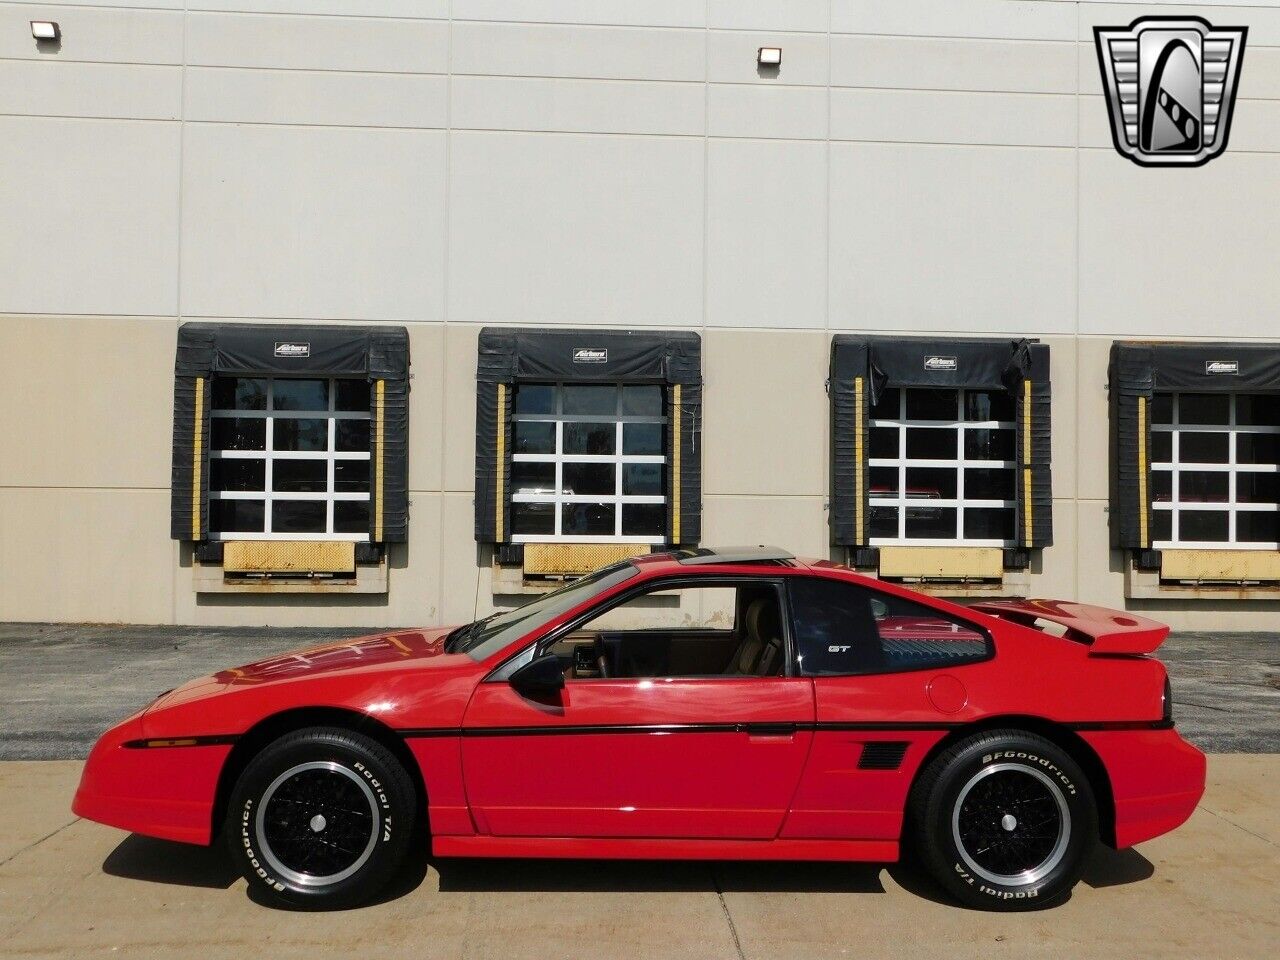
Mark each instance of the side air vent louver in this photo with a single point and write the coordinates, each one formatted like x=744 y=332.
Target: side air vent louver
x=882 y=755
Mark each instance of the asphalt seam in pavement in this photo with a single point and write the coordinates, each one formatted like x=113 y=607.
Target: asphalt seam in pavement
x=32 y=846
x=1238 y=827
x=733 y=929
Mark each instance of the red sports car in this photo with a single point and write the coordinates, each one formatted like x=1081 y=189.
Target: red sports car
x=694 y=704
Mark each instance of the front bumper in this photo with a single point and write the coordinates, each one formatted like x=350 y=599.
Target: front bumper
x=1157 y=779
x=165 y=792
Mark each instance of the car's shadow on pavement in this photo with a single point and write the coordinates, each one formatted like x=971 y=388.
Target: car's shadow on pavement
x=655 y=876
x=161 y=861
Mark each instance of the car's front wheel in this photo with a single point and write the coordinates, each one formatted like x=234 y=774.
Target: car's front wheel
x=1004 y=820
x=322 y=817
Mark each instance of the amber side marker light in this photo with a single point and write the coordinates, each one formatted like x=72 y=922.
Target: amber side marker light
x=215 y=740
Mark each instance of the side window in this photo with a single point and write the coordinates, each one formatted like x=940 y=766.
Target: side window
x=842 y=630
x=682 y=630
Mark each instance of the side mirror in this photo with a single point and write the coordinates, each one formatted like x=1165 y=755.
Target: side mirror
x=879 y=609
x=540 y=676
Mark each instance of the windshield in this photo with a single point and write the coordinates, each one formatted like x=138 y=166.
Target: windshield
x=486 y=637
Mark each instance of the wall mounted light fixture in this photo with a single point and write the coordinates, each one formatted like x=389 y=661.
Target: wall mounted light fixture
x=45 y=30
x=769 y=56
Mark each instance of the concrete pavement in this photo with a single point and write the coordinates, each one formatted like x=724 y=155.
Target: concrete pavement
x=70 y=888
x=61 y=685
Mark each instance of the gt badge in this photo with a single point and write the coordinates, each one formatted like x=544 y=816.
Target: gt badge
x=1170 y=85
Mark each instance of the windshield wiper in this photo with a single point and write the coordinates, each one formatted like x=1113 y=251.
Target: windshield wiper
x=459 y=638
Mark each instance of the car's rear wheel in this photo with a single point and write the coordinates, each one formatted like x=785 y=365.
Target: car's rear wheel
x=322 y=817
x=1004 y=820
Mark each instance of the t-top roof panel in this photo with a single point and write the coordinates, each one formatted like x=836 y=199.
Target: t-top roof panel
x=711 y=555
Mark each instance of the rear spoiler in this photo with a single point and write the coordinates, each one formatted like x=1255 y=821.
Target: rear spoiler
x=1105 y=631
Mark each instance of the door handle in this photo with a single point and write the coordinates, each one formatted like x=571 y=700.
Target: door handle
x=768 y=729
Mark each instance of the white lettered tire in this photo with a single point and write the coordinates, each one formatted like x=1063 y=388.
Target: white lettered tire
x=1003 y=820
x=321 y=818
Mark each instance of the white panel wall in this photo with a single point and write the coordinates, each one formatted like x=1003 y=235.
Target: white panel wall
x=563 y=228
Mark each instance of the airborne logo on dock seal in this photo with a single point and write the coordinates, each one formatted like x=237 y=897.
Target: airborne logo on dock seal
x=1170 y=85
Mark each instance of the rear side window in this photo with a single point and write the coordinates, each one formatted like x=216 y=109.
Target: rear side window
x=843 y=630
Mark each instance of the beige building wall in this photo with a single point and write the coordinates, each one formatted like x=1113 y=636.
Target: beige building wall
x=934 y=167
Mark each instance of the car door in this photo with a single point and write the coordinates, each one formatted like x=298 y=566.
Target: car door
x=655 y=756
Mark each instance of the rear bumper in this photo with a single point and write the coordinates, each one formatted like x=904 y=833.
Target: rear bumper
x=1157 y=779
x=164 y=792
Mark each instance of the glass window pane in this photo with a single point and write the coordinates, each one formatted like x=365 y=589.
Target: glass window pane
x=351 y=436
x=884 y=481
x=1204 y=408
x=587 y=519
x=351 y=476
x=842 y=629
x=535 y=437
x=887 y=408
x=237 y=433
x=931 y=483
x=589 y=478
x=988 y=444
x=533 y=478
x=239 y=393
x=1253 y=409
x=351 y=516
x=535 y=398
x=352 y=395
x=1202 y=447
x=642 y=479
x=884 y=442
x=926 y=444
x=300 y=394
x=926 y=404
x=1257 y=526
x=1161 y=486
x=593 y=400
x=643 y=519
x=297 y=516
x=931 y=522
x=237 y=474
x=1161 y=446
x=1257 y=447
x=1162 y=525
x=988 y=523
x=1203 y=487
x=299 y=476
x=642 y=401
x=1258 y=487
x=643 y=438
x=884 y=522
x=291 y=434
x=989 y=484
x=236 y=516
x=533 y=518
x=988 y=405
x=589 y=438
x=1203 y=525
x=1162 y=408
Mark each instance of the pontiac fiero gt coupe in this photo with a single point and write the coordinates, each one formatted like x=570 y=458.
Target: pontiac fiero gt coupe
x=697 y=704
